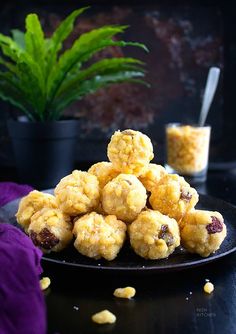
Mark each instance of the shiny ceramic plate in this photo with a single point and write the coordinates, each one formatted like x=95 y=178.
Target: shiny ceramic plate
x=128 y=261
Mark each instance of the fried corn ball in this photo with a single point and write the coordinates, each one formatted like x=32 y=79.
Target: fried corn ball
x=153 y=235
x=124 y=196
x=104 y=171
x=203 y=232
x=152 y=176
x=130 y=151
x=173 y=196
x=78 y=193
x=99 y=236
x=50 y=229
x=31 y=203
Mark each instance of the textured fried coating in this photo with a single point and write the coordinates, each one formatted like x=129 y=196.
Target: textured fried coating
x=130 y=151
x=99 y=236
x=124 y=196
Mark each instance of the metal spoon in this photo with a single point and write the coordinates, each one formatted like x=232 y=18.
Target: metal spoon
x=212 y=81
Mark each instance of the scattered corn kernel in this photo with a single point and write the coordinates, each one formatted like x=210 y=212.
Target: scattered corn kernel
x=127 y=292
x=104 y=317
x=45 y=282
x=208 y=287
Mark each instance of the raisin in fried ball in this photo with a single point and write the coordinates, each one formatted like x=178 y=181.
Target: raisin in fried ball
x=130 y=151
x=78 y=193
x=31 y=203
x=152 y=176
x=50 y=229
x=124 y=196
x=173 y=196
x=99 y=236
x=203 y=232
x=153 y=235
x=104 y=171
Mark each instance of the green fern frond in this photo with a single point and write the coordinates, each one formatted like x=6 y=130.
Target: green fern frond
x=41 y=81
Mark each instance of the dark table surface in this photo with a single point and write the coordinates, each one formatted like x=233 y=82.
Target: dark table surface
x=172 y=302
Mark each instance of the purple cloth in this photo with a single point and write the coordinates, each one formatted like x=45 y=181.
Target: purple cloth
x=10 y=191
x=22 y=307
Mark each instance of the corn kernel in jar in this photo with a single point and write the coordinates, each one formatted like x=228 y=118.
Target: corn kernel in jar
x=187 y=148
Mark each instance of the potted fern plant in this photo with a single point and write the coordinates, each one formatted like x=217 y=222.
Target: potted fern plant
x=42 y=79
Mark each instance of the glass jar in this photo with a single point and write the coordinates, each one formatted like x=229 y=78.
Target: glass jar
x=188 y=150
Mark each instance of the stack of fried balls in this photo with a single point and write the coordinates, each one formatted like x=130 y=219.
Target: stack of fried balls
x=127 y=197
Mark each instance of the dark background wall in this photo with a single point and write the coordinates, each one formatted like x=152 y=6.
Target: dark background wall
x=185 y=38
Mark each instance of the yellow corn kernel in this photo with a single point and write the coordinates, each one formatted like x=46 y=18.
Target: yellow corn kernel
x=45 y=282
x=208 y=287
x=104 y=317
x=127 y=292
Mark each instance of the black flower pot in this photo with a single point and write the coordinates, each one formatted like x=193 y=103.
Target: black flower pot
x=44 y=151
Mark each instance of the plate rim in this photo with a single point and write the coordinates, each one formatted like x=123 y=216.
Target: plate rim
x=166 y=268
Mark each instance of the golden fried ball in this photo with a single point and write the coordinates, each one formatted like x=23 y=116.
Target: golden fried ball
x=203 y=232
x=104 y=171
x=152 y=176
x=153 y=235
x=124 y=196
x=31 y=203
x=130 y=151
x=50 y=229
x=78 y=193
x=173 y=196
x=99 y=236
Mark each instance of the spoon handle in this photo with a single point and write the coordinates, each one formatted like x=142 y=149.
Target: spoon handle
x=212 y=81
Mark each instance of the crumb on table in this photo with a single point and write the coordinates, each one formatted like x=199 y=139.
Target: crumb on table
x=127 y=292
x=45 y=282
x=104 y=317
x=208 y=287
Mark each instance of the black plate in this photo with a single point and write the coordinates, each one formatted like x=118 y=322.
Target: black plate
x=128 y=261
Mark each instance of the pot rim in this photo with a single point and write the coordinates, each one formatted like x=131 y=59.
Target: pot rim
x=52 y=130
x=24 y=120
